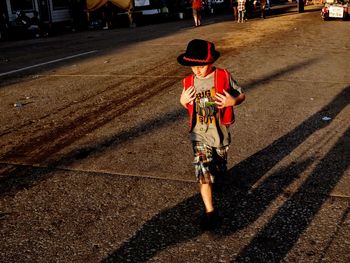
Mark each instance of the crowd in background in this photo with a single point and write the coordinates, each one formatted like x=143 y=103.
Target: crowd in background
x=110 y=16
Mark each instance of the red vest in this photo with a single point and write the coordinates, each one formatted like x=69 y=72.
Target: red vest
x=221 y=83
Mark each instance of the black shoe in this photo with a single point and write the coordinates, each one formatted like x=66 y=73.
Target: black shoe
x=210 y=221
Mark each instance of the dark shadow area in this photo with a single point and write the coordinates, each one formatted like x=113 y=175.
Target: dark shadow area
x=239 y=205
x=293 y=218
x=167 y=228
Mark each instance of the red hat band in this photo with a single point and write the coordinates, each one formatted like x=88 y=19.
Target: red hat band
x=207 y=60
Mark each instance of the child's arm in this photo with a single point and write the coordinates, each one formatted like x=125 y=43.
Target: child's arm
x=233 y=97
x=187 y=96
x=228 y=100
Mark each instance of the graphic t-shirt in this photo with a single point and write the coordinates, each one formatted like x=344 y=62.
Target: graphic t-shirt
x=208 y=128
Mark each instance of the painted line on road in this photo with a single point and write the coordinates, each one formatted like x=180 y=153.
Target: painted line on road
x=46 y=63
x=125 y=174
x=178 y=76
x=181 y=77
x=96 y=172
x=110 y=75
x=104 y=173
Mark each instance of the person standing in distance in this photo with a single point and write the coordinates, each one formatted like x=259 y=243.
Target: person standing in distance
x=241 y=10
x=197 y=12
x=234 y=4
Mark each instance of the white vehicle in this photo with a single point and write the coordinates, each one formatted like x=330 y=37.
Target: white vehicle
x=335 y=9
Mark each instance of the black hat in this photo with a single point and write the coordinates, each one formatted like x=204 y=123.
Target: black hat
x=198 y=53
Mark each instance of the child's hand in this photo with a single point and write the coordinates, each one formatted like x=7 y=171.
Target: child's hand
x=187 y=96
x=224 y=100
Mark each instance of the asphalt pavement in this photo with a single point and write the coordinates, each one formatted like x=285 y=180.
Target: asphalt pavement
x=96 y=166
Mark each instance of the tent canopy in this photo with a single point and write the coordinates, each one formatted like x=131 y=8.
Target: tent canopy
x=96 y=4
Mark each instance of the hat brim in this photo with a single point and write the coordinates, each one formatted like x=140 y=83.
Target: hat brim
x=189 y=63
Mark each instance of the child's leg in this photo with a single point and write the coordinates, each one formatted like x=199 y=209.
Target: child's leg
x=206 y=191
x=208 y=161
x=219 y=167
x=203 y=158
x=210 y=219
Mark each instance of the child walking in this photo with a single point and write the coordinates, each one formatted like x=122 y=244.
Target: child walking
x=209 y=95
x=241 y=11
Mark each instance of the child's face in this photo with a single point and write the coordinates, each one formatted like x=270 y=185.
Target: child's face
x=202 y=71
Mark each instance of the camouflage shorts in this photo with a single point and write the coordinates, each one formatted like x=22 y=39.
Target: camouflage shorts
x=209 y=162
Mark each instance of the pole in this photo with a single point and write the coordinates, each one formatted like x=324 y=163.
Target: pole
x=131 y=13
x=300 y=6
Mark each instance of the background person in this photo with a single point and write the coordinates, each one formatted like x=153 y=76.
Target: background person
x=241 y=10
x=263 y=4
x=197 y=6
x=234 y=4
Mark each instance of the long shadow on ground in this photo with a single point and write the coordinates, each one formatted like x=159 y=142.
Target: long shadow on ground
x=241 y=206
x=292 y=219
